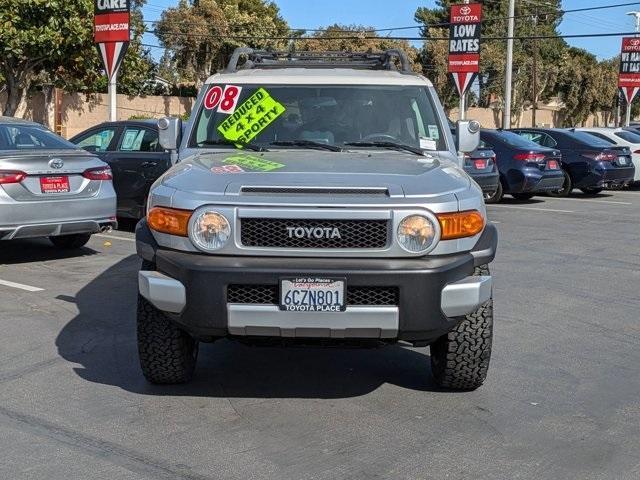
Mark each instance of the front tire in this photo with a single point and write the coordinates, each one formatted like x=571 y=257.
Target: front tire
x=460 y=359
x=566 y=189
x=167 y=353
x=70 y=242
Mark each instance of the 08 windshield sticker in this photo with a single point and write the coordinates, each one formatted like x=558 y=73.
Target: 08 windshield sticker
x=250 y=118
x=225 y=99
x=253 y=163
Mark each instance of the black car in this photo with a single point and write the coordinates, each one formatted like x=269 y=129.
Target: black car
x=589 y=163
x=525 y=167
x=481 y=166
x=132 y=150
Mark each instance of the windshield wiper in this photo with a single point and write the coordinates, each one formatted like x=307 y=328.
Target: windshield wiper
x=235 y=143
x=306 y=143
x=393 y=145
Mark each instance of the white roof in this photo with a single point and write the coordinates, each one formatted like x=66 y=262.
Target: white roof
x=318 y=76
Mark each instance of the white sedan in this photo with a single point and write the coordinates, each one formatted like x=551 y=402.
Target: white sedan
x=623 y=138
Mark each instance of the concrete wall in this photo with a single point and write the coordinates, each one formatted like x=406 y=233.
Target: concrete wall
x=80 y=111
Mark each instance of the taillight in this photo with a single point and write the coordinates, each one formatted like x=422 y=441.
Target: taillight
x=529 y=157
x=601 y=156
x=99 y=173
x=11 y=176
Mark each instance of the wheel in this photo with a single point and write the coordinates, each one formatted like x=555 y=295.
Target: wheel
x=591 y=191
x=460 y=359
x=167 y=354
x=522 y=196
x=496 y=197
x=567 y=186
x=77 y=240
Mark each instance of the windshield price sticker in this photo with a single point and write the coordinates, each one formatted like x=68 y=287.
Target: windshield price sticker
x=250 y=118
x=252 y=162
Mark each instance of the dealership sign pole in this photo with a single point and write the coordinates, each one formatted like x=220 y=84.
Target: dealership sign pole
x=464 y=47
x=112 y=34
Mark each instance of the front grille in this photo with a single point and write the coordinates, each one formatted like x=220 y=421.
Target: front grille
x=268 y=294
x=274 y=233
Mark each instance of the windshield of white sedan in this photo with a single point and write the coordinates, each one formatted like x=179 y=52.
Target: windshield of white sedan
x=30 y=137
x=283 y=116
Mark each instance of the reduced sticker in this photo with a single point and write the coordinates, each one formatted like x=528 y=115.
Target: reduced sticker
x=252 y=162
x=250 y=118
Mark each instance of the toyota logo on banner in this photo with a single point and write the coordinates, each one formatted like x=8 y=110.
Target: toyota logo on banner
x=112 y=29
x=465 y=10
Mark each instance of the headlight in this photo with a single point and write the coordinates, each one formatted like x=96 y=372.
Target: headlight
x=209 y=230
x=416 y=233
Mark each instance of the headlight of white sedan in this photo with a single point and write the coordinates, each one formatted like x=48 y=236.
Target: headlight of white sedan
x=209 y=230
x=416 y=233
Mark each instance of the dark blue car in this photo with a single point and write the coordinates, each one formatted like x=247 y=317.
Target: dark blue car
x=588 y=163
x=526 y=168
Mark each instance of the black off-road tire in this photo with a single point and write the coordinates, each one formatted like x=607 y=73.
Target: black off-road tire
x=167 y=354
x=523 y=196
x=496 y=196
x=70 y=242
x=460 y=359
x=566 y=189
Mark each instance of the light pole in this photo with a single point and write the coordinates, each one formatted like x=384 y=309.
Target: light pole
x=506 y=116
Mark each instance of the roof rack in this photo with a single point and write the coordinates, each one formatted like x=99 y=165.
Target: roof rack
x=362 y=61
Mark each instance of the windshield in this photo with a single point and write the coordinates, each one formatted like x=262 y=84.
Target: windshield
x=330 y=115
x=30 y=137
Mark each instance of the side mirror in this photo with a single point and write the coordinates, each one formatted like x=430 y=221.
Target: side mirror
x=468 y=137
x=170 y=130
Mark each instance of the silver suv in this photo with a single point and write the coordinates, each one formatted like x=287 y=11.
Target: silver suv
x=317 y=197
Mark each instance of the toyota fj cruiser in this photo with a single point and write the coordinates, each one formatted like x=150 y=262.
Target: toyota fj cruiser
x=317 y=196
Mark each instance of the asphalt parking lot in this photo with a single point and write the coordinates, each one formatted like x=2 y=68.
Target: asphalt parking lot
x=562 y=400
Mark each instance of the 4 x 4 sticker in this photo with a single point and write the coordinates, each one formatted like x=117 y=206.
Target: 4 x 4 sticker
x=250 y=118
x=252 y=162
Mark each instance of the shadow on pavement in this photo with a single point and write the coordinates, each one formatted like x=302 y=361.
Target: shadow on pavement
x=101 y=340
x=37 y=250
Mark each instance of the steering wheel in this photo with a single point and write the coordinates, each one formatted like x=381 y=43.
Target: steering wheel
x=381 y=137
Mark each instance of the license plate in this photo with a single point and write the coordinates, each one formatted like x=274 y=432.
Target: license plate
x=311 y=294
x=552 y=165
x=622 y=160
x=54 y=184
x=480 y=164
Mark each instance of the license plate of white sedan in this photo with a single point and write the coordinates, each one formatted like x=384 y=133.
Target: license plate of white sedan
x=58 y=184
x=622 y=160
x=311 y=294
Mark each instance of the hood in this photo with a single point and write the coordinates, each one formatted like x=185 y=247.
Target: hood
x=403 y=174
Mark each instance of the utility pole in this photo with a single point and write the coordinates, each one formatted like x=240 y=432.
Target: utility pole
x=506 y=116
x=534 y=103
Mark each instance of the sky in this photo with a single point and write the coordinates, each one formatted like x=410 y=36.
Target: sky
x=395 y=13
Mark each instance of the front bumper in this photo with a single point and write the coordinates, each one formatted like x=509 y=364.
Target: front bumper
x=434 y=293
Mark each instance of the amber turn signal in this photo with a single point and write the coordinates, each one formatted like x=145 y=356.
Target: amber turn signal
x=460 y=224
x=169 y=220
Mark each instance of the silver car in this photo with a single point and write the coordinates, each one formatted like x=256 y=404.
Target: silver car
x=317 y=198
x=51 y=188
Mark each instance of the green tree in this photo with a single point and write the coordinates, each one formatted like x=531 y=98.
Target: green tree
x=202 y=35
x=360 y=39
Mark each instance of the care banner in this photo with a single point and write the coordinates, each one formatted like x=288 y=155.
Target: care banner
x=464 y=44
x=629 y=76
x=111 y=32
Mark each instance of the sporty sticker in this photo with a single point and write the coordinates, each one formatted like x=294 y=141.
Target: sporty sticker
x=252 y=162
x=250 y=118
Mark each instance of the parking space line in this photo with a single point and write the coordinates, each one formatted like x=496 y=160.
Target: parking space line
x=531 y=208
x=582 y=200
x=115 y=237
x=20 y=286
